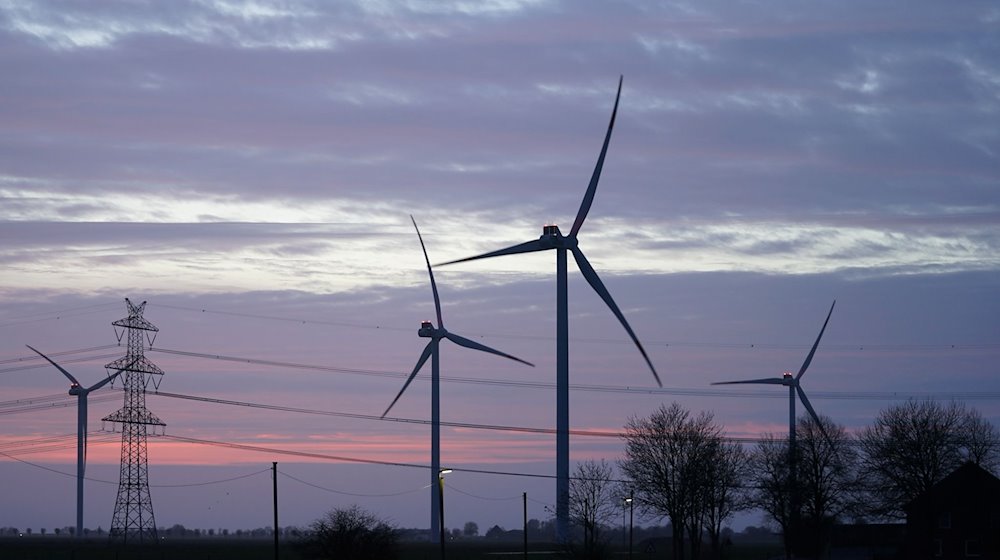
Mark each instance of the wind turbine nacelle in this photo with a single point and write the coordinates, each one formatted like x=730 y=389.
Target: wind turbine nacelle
x=426 y=329
x=551 y=236
x=787 y=375
x=75 y=389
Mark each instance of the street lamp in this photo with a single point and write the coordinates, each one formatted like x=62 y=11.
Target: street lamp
x=631 y=506
x=441 y=474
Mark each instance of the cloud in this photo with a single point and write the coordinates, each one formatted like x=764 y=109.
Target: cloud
x=249 y=169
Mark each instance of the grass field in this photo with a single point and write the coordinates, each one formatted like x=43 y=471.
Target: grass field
x=63 y=548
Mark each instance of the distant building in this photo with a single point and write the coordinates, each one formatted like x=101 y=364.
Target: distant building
x=958 y=517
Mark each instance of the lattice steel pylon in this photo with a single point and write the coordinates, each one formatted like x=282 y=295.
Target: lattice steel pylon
x=133 y=518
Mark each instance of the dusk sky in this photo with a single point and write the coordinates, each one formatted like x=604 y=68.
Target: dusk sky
x=249 y=169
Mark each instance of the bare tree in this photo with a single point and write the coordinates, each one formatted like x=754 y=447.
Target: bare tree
x=724 y=492
x=825 y=489
x=771 y=483
x=827 y=481
x=592 y=502
x=666 y=457
x=912 y=446
x=982 y=441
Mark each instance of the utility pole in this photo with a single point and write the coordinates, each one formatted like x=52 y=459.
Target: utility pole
x=524 y=501
x=274 y=478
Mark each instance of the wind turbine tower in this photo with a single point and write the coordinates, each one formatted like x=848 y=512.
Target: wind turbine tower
x=553 y=238
x=794 y=389
x=81 y=393
x=133 y=518
x=436 y=334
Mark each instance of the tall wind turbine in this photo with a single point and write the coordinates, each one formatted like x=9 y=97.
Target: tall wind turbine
x=81 y=394
x=794 y=386
x=435 y=334
x=552 y=238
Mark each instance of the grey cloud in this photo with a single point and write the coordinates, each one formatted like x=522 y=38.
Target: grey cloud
x=768 y=127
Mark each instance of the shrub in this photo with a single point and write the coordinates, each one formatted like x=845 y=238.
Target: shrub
x=351 y=533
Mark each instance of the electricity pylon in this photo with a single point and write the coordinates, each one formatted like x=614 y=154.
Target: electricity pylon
x=133 y=518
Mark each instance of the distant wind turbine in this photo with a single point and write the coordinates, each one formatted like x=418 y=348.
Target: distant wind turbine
x=794 y=387
x=81 y=394
x=552 y=238
x=428 y=330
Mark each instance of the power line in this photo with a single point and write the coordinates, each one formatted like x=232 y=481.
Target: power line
x=689 y=392
x=36 y=357
x=187 y=485
x=40 y=446
x=661 y=343
x=69 y=361
x=491 y=427
x=451 y=486
x=494 y=427
x=343 y=493
x=63 y=402
x=370 y=417
x=666 y=344
x=56 y=315
x=211 y=482
x=313 y=455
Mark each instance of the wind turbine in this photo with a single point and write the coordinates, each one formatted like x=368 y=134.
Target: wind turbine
x=81 y=394
x=435 y=334
x=794 y=387
x=552 y=238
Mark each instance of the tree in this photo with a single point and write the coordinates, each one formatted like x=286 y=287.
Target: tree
x=912 y=446
x=827 y=480
x=352 y=533
x=723 y=492
x=592 y=502
x=471 y=529
x=825 y=489
x=770 y=482
x=666 y=456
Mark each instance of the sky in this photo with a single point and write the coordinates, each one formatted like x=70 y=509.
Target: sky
x=249 y=170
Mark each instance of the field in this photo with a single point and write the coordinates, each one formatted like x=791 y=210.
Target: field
x=62 y=548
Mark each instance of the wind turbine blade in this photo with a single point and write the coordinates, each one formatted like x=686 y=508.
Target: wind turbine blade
x=111 y=377
x=766 y=381
x=420 y=363
x=588 y=199
x=595 y=282
x=526 y=247
x=805 y=402
x=809 y=358
x=462 y=341
x=437 y=300
x=66 y=373
x=812 y=412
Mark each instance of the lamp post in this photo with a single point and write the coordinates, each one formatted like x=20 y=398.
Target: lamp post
x=630 y=503
x=441 y=474
x=624 y=531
